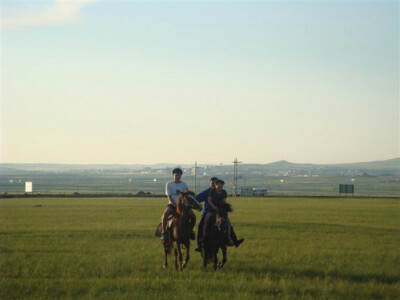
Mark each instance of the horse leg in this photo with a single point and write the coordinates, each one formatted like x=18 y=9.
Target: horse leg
x=165 y=265
x=187 y=247
x=180 y=256
x=215 y=257
x=204 y=255
x=221 y=264
x=176 y=257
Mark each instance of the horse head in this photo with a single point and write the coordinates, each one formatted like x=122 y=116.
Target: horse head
x=187 y=201
x=182 y=203
x=222 y=215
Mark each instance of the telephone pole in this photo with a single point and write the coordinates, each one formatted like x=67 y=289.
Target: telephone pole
x=235 y=177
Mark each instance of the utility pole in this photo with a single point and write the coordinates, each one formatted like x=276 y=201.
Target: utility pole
x=235 y=177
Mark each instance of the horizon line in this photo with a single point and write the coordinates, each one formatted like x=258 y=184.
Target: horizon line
x=189 y=164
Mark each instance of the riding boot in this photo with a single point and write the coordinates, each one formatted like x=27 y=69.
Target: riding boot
x=237 y=244
x=233 y=236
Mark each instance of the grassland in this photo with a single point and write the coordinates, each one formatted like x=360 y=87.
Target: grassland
x=326 y=248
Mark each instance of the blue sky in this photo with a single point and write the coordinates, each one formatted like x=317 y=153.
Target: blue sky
x=207 y=81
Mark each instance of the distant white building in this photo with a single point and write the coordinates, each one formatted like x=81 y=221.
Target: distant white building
x=28 y=187
x=252 y=191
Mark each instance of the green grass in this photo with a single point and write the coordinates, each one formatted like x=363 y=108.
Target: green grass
x=294 y=248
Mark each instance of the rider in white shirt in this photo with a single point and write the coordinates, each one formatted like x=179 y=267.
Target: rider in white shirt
x=172 y=190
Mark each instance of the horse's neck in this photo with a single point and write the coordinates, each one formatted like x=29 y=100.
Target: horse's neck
x=184 y=215
x=182 y=219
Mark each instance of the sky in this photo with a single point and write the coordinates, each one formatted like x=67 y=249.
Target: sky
x=143 y=82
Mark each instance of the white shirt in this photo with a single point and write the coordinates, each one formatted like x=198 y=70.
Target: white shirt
x=172 y=189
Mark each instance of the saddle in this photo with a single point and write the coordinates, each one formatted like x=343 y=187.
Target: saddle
x=168 y=229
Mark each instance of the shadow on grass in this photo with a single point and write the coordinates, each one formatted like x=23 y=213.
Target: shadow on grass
x=277 y=273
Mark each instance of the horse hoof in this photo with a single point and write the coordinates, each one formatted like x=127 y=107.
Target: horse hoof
x=220 y=265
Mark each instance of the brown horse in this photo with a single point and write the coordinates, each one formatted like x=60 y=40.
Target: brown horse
x=181 y=228
x=217 y=237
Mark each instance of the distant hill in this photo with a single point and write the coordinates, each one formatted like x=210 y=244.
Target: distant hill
x=389 y=167
x=64 y=167
x=283 y=164
x=391 y=164
x=81 y=167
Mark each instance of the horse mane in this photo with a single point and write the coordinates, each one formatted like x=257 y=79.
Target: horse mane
x=190 y=193
x=226 y=207
x=181 y=203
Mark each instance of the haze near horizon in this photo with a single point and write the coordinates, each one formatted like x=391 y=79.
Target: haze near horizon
x=129 y=82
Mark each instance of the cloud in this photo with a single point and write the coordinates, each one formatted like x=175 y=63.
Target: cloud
x=58 y=13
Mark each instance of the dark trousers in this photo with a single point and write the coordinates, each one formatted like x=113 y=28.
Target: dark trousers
x=200 y=231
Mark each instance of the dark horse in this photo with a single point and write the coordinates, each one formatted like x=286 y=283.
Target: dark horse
x=217 y=237
x=180 y=229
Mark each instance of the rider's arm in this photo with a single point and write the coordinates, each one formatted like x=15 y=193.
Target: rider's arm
x=225 y=196
x=203 y=196
x=210 y=202
x=168 y=192
x=170 y=200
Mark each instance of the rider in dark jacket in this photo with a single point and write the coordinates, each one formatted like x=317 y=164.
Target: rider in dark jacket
x=203 y=197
